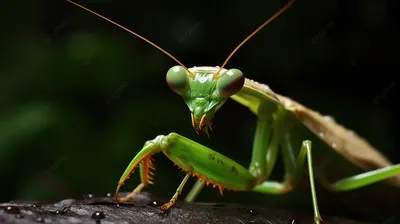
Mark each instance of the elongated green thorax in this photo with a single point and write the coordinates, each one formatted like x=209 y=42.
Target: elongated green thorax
x=204 y=91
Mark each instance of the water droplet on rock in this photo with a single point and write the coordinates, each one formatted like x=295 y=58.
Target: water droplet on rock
x=98 y=215
x=252 y=212
x=155 y=203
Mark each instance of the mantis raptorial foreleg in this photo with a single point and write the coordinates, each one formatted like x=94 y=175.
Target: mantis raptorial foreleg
x=143 y=158
x=145 y=161
x=194 y=159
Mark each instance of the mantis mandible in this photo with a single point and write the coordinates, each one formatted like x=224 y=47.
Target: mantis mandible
x=205 y=90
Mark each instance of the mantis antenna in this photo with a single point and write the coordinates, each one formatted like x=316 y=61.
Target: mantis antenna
x=130 y=31
x=252 y=34
x=172 y=57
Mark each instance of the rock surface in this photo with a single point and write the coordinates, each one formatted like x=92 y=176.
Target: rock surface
x=145 y=209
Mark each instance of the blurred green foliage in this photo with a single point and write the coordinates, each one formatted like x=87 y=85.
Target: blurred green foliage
x=81 y=96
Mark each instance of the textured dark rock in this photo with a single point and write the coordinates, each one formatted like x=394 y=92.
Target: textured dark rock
x=145 y=209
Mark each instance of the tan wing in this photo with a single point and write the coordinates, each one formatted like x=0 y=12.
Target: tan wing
x=342 y=140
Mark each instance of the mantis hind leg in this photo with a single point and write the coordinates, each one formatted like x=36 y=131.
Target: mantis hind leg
x=195 y=191
x=293 y=169
x=361 y=180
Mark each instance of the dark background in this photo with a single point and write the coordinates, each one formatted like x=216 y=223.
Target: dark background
x=79 y=96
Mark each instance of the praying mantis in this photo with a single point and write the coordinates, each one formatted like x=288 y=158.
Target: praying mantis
x=205 y=89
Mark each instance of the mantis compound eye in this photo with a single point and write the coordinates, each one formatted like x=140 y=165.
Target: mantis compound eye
x=178 y=79
x=230 y=83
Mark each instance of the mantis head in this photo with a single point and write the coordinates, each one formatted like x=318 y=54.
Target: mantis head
x=205 y=90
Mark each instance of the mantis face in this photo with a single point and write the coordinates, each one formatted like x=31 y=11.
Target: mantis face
x=204 y=91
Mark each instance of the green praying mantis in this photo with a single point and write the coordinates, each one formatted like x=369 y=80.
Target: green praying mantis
x=205 y=90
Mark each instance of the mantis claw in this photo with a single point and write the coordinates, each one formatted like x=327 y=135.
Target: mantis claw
x=166 y=206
